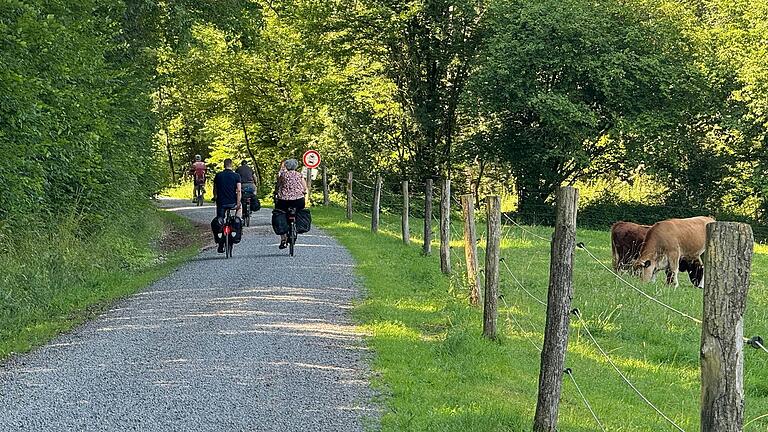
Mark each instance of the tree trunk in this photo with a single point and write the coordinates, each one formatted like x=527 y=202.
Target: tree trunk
x=349 y=195
x=727 y=266
x=376 y=211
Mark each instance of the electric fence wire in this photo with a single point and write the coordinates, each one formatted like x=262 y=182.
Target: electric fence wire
x=519 y=284
x=583 y=247
x=522 y=330
x=621 y=374
x=569 y=372
x=526 y=230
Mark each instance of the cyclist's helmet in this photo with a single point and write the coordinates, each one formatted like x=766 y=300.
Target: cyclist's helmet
x=198 y=158
x=244 y=162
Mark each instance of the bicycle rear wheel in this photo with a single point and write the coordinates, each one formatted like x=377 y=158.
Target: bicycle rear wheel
x=227 y=246
x=292 y=239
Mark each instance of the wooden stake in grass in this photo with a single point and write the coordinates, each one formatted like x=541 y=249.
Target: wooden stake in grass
x=326 y=192
x=428 y=217
x=470 y=247
x=492 y=256
x=349 y=195
x=376 y=211
x=445 y=227
x=727 y=265
x=558 y=311
x=405 y=225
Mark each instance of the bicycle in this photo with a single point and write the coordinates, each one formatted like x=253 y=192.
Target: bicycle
x=292 y=234
x=247 y=211
x=227 y=233
x=199 y=194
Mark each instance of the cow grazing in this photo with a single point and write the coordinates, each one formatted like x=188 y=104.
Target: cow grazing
x=670 y=241
x=695 y=270
x=627 y=239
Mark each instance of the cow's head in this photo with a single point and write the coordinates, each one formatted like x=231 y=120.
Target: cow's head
x=648 y=265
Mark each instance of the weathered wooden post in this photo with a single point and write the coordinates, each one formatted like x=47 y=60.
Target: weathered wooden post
x=492 y=256
x=406 y=224
x=470 y=247
x=445 y=227
x=349 y=195
x=428 y=217
x=376 y=211
x=309 y=186
x=326 y=192
x=558 y=311
x=727 y=266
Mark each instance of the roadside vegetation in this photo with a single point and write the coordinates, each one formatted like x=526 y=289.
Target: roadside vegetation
x=52 y=283
x=437 y=373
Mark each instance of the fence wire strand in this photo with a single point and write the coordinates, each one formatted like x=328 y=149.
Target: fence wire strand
x=569 y=372
x=583 y=247
x=522 y=330
x=524 y=229
x=621 y=374
x=517 y=281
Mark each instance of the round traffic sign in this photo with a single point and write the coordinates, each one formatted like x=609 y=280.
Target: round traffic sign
x=311 y=159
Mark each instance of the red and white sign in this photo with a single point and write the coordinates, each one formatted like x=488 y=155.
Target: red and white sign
x=311 y=159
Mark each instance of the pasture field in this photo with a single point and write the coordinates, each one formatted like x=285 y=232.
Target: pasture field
x=436 y=373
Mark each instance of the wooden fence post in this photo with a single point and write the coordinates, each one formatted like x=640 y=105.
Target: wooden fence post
x=470 y=247
x=445 y=227
x=349 y=195
x=309 y=186
x=376 y=211
x=492 y=256
x=406 y=224
x=326 y=192
x=428 y=217
x=558 y=311
x=727 y=265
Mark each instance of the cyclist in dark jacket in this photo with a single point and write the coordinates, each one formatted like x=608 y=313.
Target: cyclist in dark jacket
x=227 y=188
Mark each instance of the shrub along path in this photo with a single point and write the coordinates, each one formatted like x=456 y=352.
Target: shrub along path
x=257 y=342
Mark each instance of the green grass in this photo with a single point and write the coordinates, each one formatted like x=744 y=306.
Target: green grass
x=436 y=373
x=56 y=282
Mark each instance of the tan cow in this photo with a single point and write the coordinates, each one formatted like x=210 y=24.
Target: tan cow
x=627 y=239
x=669 y=241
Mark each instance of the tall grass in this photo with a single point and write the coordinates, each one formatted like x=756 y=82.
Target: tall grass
x=52 y=281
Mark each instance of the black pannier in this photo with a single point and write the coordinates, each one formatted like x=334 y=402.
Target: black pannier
x=237 y=228
x=279 y=222
x=303 y=221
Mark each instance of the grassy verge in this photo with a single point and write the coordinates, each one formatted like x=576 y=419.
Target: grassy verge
x=55 y=283
x=438 y=374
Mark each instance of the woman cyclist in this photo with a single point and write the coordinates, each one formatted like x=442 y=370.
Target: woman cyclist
x=290 y=191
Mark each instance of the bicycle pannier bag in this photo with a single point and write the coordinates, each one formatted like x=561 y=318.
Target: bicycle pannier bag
x=255 y=204
x=237 y=228
x=303 y=221
x=279 y=222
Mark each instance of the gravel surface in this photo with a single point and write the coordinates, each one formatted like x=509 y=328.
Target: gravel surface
x=259 y=342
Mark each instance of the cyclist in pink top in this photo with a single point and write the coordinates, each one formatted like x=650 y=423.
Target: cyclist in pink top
x=197 y=171
x=290 y=191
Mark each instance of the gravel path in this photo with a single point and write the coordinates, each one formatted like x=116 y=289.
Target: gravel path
x=260 y=342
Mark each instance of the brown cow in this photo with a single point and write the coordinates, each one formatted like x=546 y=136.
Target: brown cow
x=627 y=239
x=669 y=241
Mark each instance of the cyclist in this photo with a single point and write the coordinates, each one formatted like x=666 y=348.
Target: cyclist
x=247 y=179
x=290 y=191
x=227 y=188
x=197 y=171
